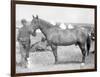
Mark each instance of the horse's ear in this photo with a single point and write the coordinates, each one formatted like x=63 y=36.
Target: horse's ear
x=36 y=16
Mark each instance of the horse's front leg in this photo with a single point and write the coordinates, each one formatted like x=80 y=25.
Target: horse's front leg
x=54 y=49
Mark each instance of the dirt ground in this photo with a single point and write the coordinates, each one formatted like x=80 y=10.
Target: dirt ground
x=69 y=57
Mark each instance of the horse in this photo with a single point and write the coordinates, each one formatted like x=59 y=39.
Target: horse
x=62 y=37
x=24 y=39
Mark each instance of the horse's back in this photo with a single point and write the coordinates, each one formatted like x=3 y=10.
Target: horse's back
x=68 y=36
x=60 y=36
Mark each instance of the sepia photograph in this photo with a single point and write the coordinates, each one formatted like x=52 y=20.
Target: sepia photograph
x=51 y=38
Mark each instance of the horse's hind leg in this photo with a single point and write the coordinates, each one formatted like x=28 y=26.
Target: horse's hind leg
x=54 y=49
x=83 y=49
x=84 y=55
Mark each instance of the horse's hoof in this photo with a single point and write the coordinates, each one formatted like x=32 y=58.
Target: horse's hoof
x=82 y=64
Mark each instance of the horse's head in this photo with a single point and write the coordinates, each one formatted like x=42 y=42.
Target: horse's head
x=35 y=24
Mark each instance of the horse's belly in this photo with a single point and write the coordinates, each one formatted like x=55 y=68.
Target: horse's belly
x=68 y=40
x=66 y=43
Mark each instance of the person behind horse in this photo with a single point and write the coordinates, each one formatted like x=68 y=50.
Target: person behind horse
x=24 y=39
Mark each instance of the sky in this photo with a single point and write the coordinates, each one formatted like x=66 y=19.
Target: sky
x=55 y=14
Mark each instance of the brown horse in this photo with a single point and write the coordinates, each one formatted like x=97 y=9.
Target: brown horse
x=59 y=37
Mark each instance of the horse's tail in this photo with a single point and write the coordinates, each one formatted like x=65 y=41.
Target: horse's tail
x=88 y=44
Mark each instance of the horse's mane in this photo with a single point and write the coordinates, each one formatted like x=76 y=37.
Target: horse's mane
x=47 y=24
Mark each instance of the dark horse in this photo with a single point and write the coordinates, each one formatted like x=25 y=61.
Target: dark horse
x=58 y=37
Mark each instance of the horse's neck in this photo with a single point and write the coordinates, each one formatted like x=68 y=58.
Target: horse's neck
x=44 y=26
